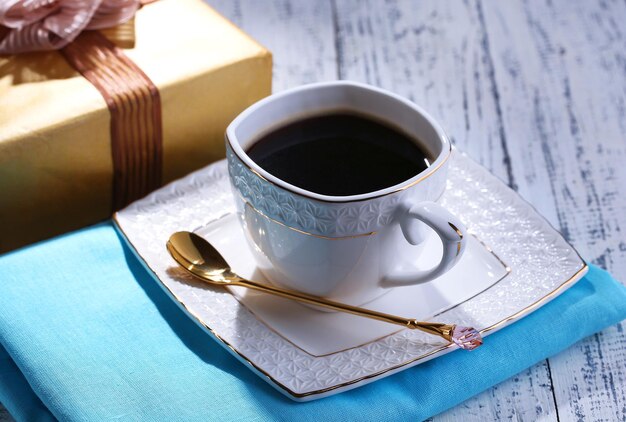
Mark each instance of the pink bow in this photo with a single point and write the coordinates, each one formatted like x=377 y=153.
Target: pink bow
x=38 y=25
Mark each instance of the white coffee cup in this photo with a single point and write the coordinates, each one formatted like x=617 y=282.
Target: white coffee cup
x=347 y=248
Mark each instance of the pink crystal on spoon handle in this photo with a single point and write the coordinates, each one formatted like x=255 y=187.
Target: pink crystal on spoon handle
x=466 y=338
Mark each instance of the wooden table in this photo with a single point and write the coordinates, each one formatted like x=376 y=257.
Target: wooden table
x=535 y=91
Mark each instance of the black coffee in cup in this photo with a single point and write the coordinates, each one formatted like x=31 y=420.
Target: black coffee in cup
x=339 y=154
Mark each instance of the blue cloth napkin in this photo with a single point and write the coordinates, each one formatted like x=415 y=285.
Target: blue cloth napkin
x=86 y=334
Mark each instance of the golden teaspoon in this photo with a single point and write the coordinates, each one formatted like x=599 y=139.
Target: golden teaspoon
x=202 y=260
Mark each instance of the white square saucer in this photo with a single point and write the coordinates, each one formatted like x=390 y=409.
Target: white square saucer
x=317 y=354
x=321 y=333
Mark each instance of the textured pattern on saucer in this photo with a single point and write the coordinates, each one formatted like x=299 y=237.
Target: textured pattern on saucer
x=540 y=259
x=322 y=218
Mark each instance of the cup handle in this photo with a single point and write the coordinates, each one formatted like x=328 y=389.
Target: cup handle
x=449 y=229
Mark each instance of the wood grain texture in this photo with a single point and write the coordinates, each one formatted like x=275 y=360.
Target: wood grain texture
x=301 y=31
x=432 y=53
x=564 y=68
x=524 y=397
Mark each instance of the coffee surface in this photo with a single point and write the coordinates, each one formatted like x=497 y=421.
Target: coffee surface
x=339 y=154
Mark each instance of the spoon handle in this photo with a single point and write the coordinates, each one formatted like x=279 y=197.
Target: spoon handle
x=464 y=337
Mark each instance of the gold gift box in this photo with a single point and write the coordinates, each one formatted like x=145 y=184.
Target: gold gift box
x=55 y=153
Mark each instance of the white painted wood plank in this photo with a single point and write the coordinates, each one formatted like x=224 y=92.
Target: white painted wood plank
x=433 y=53
x=563 y=66
x=525 y=397
x=299 y=34
x=436 y=53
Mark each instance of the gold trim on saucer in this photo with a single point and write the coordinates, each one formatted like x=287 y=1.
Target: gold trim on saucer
x=450 y=346
x=443 y=349
x=505 y=321
x=234 y=351
x=505 y=267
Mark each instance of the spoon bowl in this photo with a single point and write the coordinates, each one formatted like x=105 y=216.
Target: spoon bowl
x=200 y=258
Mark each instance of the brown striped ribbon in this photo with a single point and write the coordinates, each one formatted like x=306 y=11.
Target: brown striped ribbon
x=135 y=107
